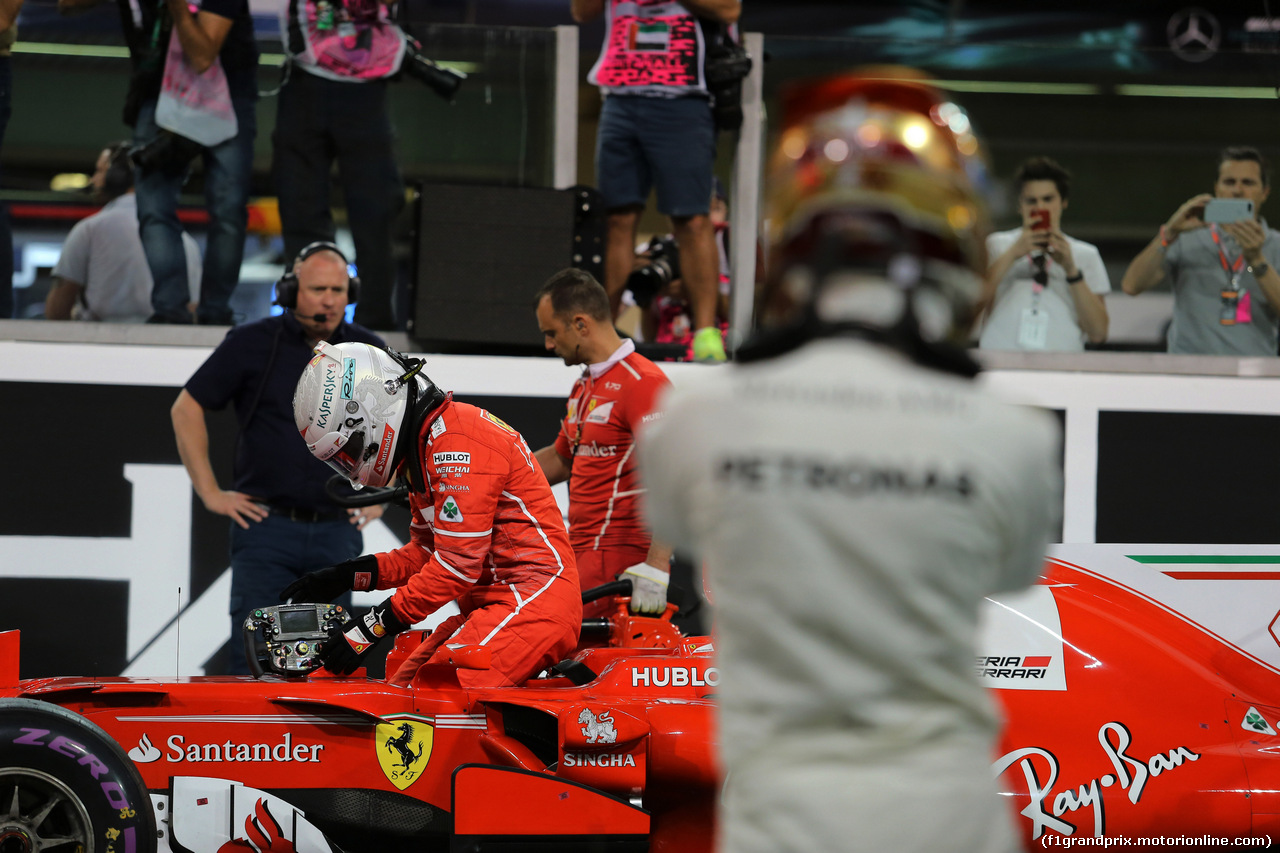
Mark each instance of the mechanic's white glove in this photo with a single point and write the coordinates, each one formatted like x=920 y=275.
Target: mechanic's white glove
x=648 y=588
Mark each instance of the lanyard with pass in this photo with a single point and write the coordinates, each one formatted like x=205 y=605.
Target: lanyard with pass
x=580 y=401
x=1235 y=306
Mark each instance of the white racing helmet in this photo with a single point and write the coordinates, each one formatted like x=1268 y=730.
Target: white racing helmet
x=350 y=407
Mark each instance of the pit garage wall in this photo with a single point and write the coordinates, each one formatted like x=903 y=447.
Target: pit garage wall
x=102 y=542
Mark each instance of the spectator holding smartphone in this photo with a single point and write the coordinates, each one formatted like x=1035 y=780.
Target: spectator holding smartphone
x=1047 y=286
x=1220 y=265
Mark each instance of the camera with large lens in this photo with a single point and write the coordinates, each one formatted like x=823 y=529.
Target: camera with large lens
x=169 y=152
x=662 y=268
x=727 y=65
x=443 y=81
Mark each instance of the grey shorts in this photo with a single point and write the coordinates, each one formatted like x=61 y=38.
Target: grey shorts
x=667 y=143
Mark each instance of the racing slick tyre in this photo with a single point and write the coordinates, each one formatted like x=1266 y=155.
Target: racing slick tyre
x=66 y=785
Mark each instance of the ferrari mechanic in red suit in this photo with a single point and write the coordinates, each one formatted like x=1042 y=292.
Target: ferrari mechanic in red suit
x=486 y=530
x=595 y=448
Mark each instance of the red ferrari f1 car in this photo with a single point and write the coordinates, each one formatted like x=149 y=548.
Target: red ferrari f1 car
x=1142 y=695
x=611 y=750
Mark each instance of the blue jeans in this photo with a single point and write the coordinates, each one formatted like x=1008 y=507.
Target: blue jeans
x=227 y=170
x=272 y=554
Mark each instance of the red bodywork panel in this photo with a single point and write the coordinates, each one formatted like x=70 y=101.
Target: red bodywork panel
x=1145 y=740
x=537 y=804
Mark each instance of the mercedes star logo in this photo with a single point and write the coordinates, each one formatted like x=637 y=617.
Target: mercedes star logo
x=1194 y=34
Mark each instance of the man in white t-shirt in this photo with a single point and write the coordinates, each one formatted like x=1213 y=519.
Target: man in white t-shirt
x=1048 y=286
x=102 y=273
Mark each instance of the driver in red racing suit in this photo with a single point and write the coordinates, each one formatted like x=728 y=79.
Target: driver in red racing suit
x=485 y=530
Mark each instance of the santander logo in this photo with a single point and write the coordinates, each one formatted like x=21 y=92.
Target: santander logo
x=262 y=834
x=145 y=752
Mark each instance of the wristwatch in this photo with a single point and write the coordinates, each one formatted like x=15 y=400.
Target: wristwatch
x=1259 y=270
x=1079 y=276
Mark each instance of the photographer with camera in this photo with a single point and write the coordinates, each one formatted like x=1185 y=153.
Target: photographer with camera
x=658 y=290
x=210 y=50
x=658 y=128
x=333 y=105
x=218 y=35
x=1220 y=258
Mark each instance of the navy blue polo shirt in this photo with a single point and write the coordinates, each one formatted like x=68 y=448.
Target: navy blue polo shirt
x=272 y=461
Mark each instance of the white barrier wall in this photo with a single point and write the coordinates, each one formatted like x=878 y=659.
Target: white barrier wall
x=102 y=544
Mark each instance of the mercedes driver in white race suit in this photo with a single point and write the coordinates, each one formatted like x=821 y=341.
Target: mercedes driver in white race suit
x=854 y=495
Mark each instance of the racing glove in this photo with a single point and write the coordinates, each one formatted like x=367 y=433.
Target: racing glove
x=350 y=642
x=648 y=588
x=327 y=584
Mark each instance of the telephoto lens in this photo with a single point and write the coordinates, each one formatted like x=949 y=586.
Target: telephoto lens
x=170 y=152
x=443 y=81
x=662 y=269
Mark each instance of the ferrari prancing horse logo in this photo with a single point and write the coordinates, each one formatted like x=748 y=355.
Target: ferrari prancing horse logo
x=404 y=748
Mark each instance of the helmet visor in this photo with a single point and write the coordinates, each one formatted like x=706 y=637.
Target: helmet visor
x=342 y=453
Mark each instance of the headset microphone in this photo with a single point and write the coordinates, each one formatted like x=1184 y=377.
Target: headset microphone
x=287 y=286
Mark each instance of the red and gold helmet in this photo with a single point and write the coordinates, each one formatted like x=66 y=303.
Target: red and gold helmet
x=877 y=177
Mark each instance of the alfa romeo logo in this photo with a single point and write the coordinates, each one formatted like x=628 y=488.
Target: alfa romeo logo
x=1194 y=34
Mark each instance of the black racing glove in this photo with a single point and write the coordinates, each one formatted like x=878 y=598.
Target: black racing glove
x=327 y=584
x=348 y=643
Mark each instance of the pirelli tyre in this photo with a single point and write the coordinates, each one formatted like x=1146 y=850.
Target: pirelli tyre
x=65 y=785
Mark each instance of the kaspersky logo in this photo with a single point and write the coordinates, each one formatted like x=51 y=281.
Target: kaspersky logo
x=403 y=745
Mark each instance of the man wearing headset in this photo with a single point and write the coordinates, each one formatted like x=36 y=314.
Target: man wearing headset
x=102 y=273
x=285 y=525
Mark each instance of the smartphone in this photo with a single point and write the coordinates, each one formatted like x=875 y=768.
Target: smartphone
x=1228 y=209
x=1040 y=220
